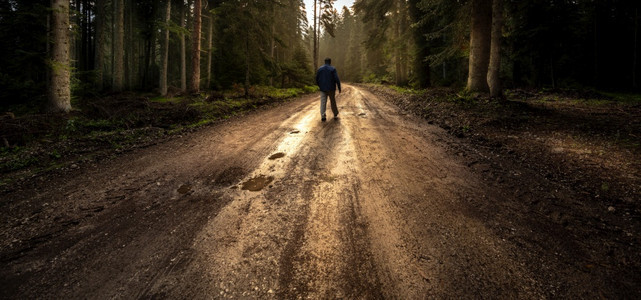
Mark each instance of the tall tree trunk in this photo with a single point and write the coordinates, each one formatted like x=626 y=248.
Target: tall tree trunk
x=153 y=57
x=91 y=39
x=75 y=42
x=210 y=49
x=634 y=60
x=183 y=54
x=100 y=45
x=397 y=42
x=596 y=48
x=493 y=75
x=147 y=63
x=128 y=41
x=165 y=54
x=87 y=38
x=246 y=64
x=194 y=85
x=272 y=47
x=150 y=54
x=119 y=46
x=113 y=29
x=405 y=60
x=59 y=89
x=480 y=41
x=133 y=60
x=421 y=69
x=82 y=24
x=48 y=48
x=315 y=55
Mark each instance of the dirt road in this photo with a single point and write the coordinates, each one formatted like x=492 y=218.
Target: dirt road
x=277 y=204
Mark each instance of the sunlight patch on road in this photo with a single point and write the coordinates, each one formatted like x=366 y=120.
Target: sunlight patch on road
x=275 y=164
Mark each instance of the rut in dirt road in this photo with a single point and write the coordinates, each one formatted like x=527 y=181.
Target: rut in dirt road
x=280 y=205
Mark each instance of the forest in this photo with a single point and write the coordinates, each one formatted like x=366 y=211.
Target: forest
x=55 y=51
x=174 y=149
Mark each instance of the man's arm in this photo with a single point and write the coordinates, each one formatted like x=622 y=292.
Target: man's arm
x=338 y=82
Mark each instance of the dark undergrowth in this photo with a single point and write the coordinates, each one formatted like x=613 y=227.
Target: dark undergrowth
x=33 y=143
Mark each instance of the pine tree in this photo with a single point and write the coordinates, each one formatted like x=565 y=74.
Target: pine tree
x=493 y=75
x=194 y=85
x=480 y=42
x=119 y=46
x=183 y=50
x=60 y=79
x=101 y=40
x=210 y=49
x=165 y=52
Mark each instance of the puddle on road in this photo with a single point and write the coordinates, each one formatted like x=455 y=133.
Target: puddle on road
x=257 y=183
x=277 y=156
x=184 y=189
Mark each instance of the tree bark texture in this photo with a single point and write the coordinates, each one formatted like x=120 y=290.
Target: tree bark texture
x=210 y=49
x=194 y=85
x=315 y=56
x=132 y=72
x=493 y=75
x=397 y=41
x=150 y=54
x=82 y=25
x=165 y=53
x=272 y=47
x=480 y=41
x=119 y=46
x=421 y=50
x=247 y=68
x=635 y=51
x=59 y=88
x=75 y=44
x=404 y=13
x=100 y=45
x=183 y=54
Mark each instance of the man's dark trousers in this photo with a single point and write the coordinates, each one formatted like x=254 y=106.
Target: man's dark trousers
x=332 y=99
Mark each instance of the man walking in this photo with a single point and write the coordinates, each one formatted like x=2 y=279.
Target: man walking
x=327 y=81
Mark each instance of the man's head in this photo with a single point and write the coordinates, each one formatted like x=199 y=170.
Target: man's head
x=328 y=61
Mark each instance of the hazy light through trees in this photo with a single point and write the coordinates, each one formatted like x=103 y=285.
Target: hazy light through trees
x=309 y=4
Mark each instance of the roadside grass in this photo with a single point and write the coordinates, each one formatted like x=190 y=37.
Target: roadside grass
x=587 y=97
x=608 y=117
x=627 y=98
x=34 y=143
x=161 y=99
x=407 y=90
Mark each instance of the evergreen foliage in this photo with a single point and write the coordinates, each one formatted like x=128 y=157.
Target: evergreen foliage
x=545 y=43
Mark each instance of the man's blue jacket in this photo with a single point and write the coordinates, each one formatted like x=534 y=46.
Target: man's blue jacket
x=327 y=78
